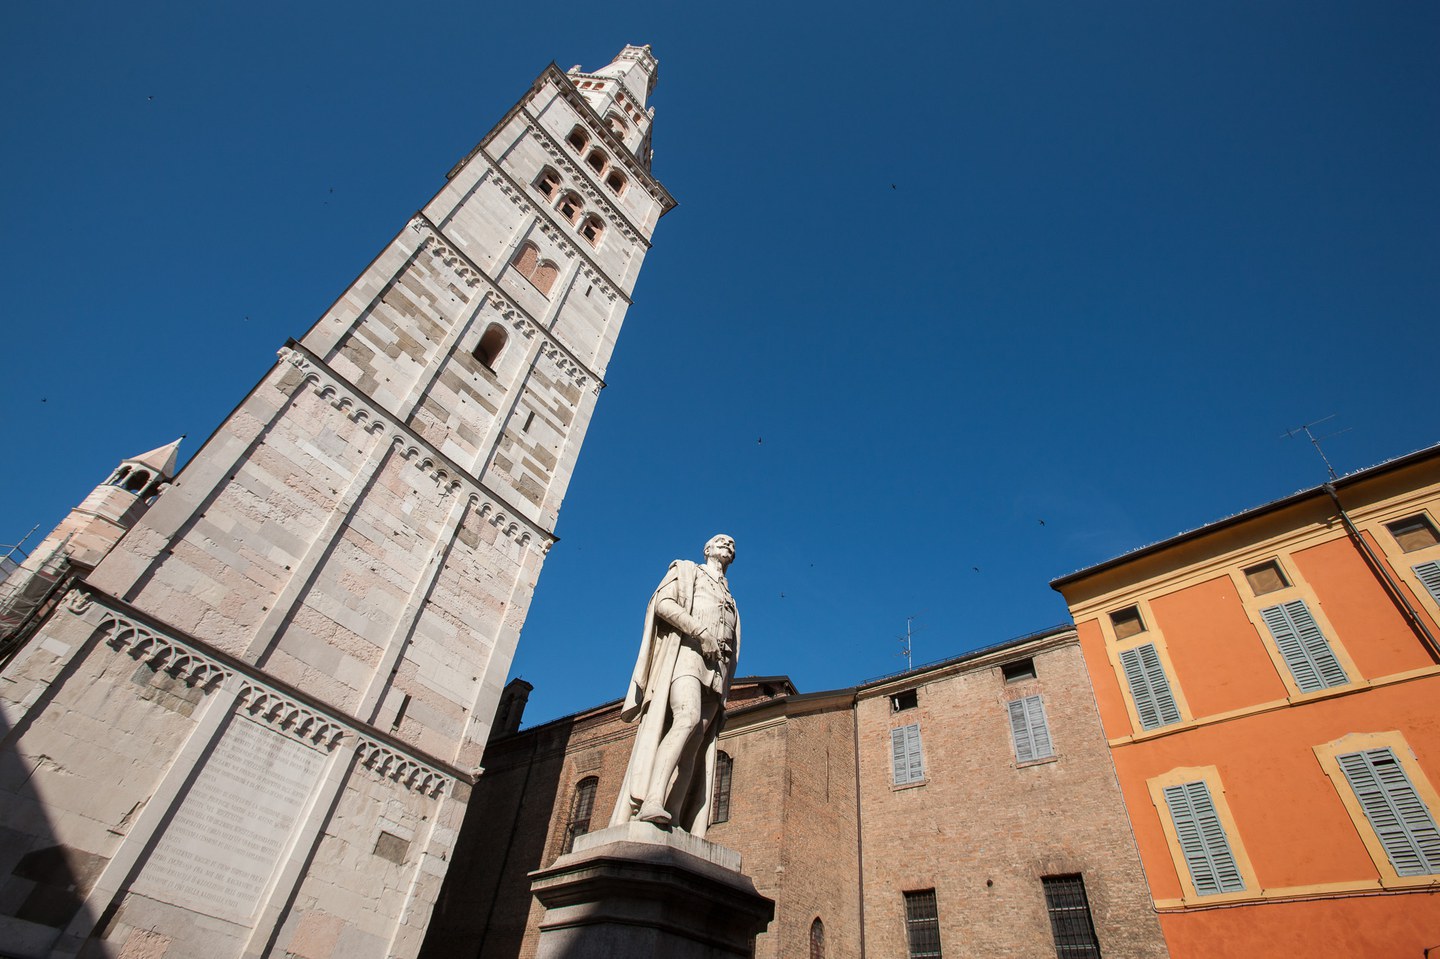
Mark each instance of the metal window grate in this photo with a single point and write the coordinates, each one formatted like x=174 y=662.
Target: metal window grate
x=922 y=924
x=720 y=805
x=1070 y=920
x=817 y=939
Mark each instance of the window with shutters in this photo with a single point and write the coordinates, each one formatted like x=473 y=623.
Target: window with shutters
x=1029 y=730
x=907 y=765
x=720 y=804
x=1204 y=846
x=922 y=924
x=581 y=809
x=1312 y=662
x=1402 y=822
x=1150 y=691
x=1070 y=921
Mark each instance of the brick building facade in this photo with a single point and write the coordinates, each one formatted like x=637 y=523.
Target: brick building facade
x=978 y=791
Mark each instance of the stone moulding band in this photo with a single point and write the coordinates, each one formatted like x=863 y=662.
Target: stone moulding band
x=411 y=774
x=450 y=480
x=255 y=699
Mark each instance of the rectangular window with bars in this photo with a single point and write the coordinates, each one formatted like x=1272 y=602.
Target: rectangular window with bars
x=1304 y=647
x=1202 y=839
x=720 y=801
x=1403 y=823
x=1070 y=920
x=922 y=924
x=907 y=764
x=1029 y=730
x=1149 y=687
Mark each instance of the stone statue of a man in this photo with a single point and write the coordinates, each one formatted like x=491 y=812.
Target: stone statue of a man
x=678 y=690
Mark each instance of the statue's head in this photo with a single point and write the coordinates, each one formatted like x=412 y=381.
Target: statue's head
x=722 y=546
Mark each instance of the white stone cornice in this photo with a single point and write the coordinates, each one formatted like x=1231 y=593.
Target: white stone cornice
x=449 y=478
x=410 y=773
x=523 y=323
x=259 y=700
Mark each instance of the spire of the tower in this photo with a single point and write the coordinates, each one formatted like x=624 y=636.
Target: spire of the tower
x=161 y=459
x=635 y=68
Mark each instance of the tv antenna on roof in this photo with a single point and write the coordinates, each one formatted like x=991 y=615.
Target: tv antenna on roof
x=907 y=644
x=1315 y=440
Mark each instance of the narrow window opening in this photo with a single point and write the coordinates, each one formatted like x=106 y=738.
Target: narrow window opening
x=548 y=182
x=400 y=713
x=616 y=182
x=817 y=939
x=578 y=139
x=597 y=161
x=909 y=699
x=1018 y=671
x=724 y=772
x=528 y=420
x=137 y=481
x=1266 y=578
x=588 y=288
x=1127 y=622
x=581 y=809
x=490 y=345
x=569 y=207
x=1414 y=533
x=922 y=924
x=592 y=229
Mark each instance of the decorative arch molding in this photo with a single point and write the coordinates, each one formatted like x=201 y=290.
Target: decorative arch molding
x=449 y=479
x=410 y=773
x=288 y=716
x=159 y=652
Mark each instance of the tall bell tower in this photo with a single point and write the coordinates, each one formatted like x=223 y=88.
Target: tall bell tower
x=253 y=729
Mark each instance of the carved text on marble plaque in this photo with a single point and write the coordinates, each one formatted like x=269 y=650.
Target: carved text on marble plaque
x=219 y=850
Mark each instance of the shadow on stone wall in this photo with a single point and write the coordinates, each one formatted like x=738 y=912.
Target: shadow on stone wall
x=485 y=901
x=43 y=882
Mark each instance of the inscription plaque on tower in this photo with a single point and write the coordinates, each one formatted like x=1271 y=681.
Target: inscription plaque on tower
x=225 y=841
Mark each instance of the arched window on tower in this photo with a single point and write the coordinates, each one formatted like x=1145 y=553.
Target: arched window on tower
x=616 y=182
x=817 y=939
x=618 y=125
x=581 y=808
x=119 y=478
x=720 y=805
x=541 y=273
x=490 y=346
x=137 y=481
x=548 y=182
x=570 y=206
x=597 y=160
x=578 y=139
x=592 y=229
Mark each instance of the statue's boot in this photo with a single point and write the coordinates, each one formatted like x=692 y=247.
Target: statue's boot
x=651 y=811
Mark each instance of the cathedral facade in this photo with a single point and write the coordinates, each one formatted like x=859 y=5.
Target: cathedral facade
x=254 y=727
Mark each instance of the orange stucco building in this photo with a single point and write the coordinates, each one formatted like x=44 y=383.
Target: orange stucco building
x=1269 y=688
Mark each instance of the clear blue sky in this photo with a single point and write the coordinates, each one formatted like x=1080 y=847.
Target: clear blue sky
x=938 y=273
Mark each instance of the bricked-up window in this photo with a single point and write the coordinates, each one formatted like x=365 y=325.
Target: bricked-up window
x=922 y=924
x=817 y=939
x=905 y=757
x=581 y=808
x=1127 y=622
x=1414 y=533
x=720 y=805
x=1029 y=730
x=1202 y=839
x=540 y=273
x=1266 y=578
x=491 y=344
x=1070 y=918
x=1403 y=823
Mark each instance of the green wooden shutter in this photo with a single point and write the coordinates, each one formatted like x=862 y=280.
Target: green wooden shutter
x=1396 y=812
x=1029 y=730
x=1308 y=654
x=1202 y=839
x=1429 y=574
x=1149 y=687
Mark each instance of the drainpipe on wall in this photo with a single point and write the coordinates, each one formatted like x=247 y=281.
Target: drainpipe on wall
x=1382 y=573
x=859 y=821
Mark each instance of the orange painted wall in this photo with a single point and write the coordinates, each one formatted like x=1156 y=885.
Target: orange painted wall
x=1108 y=698
x=1355 y=928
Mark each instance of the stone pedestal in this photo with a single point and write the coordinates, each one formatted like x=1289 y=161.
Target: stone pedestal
x=637 y=890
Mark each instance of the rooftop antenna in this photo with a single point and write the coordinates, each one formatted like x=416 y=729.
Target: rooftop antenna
x=907 y=644
x=1315 y=440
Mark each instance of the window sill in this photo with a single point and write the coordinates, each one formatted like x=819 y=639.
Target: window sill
x=898 y=787
x=1037 y=762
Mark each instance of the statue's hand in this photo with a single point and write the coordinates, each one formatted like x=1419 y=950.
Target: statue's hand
x=710 y=646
